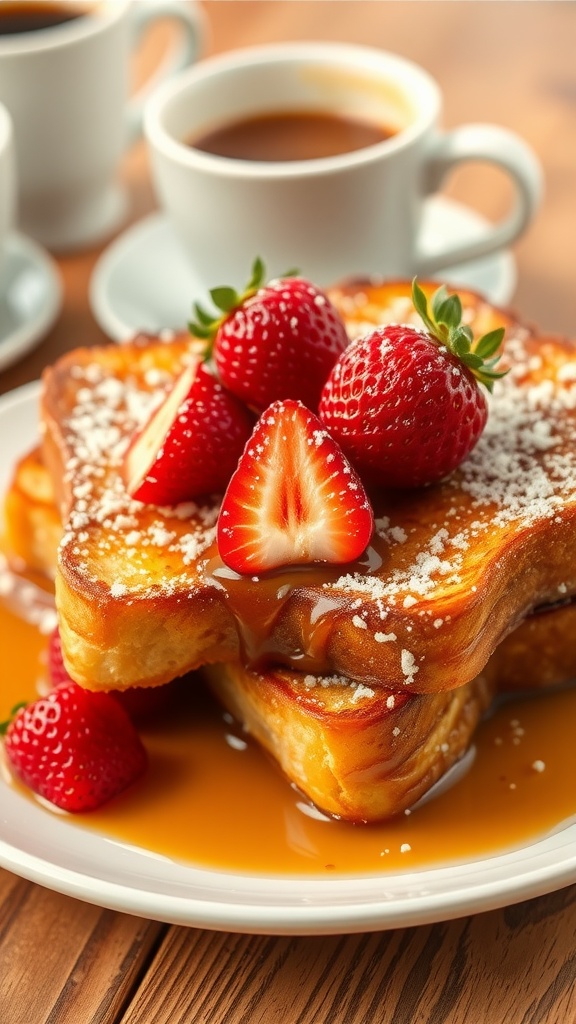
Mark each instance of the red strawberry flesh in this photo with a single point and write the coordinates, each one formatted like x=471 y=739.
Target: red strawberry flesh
x=294 y=498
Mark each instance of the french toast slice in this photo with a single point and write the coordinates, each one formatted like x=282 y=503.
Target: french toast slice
x=31 y=524
x=452 y=569
x=359 y=753
x=539 y=653
x=364 y=754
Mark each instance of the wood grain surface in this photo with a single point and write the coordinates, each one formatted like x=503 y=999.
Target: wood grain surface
x=66 y=962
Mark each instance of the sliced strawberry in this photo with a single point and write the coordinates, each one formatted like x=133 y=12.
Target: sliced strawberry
x=75 y=748
x=191 y=444
x=293 y=499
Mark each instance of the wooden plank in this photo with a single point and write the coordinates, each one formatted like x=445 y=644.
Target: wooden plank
x=66 y=962
x=515 y=966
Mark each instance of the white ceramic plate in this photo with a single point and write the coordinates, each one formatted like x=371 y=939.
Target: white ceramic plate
x=143 y=282
x=49 y=850
x=30 y=297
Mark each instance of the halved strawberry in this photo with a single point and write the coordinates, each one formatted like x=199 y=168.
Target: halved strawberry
x=191 y=444
x=293 y=499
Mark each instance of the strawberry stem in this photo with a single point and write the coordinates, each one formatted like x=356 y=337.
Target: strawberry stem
x=444 y=323
x=205 y=325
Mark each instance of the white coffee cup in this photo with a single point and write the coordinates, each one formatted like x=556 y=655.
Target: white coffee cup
x=67 y=90
x=358 y=212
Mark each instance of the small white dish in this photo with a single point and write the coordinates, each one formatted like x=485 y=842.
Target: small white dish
x=143 y=281
x=30 y=297
x=50 y=849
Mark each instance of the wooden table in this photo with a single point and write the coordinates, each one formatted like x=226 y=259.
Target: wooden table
x=65 y=962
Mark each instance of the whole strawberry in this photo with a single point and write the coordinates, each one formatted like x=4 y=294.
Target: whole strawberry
x=406 y=405
x=191 y=444
x=75 y=748
x=273 y=341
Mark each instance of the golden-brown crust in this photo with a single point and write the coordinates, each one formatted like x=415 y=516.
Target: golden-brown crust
x=32 y=528
x=359 y=754
x=373 y=301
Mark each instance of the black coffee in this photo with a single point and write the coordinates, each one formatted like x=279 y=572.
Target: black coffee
x=32 y=16
x=290 y=135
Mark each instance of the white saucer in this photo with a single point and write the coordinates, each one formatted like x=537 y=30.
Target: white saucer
x=30 y=297
x=144 y=282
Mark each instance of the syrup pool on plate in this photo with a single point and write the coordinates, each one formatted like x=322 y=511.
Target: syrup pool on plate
x=213 y=799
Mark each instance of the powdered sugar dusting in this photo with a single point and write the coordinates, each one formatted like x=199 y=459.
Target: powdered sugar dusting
x=343 y=691
x=521 y=474
x=105 y=530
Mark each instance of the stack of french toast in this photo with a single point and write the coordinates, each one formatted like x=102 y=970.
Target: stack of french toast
x=365 y=679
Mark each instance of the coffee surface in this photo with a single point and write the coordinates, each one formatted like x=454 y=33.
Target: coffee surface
x=291 y=135
x=32 y=16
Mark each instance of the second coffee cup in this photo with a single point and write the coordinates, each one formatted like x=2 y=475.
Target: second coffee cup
x=319 y=156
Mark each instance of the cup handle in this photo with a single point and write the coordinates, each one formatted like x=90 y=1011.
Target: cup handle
x=495 y=145
x=193 y=25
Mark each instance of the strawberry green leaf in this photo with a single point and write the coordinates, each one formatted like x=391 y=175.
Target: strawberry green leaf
x=225 y=299
x=472 y=360
x=437 y=302
x=461 y=342
x=204 y=333
x=444 y=323
x=202 y=316
x=420 y=303
x=257 y=276
x=490 y=343
x=205 y=325
x=449 y=312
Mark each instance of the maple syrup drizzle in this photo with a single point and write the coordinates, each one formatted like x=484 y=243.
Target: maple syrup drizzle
x=212 y=798
x=257 y=605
